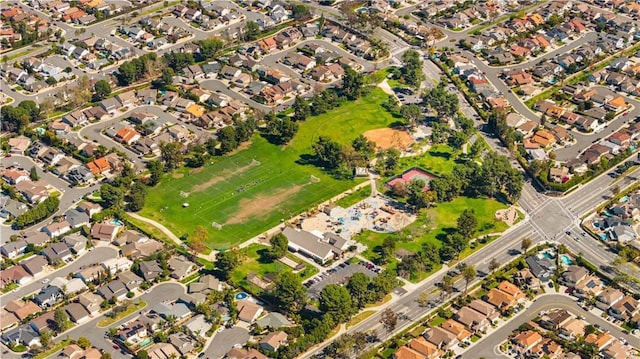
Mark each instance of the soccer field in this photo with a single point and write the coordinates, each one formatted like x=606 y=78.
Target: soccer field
x=244 y=194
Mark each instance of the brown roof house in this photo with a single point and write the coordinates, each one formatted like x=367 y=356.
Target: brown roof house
x=474 y=321
x=105 y=231
x=526 y=340
x=441 y=338
x=273 y=341
x=248 y=311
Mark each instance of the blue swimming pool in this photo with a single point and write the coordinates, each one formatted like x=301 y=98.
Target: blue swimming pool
x=241 y=296
x=547 y=255
x=566 y=260
x=116 y=222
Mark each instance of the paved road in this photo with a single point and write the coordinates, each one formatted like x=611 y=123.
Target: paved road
x=488 y=346
x=97 y=255
x=70 y=196
x=548 y=223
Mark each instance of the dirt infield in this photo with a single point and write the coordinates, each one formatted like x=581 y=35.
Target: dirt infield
x=387 y=138
x=222 y=176
x=254 y=207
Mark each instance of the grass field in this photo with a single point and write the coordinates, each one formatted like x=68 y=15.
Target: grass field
x=436 y=223
x=254 y=262
x=244 y=194
x=439 y=160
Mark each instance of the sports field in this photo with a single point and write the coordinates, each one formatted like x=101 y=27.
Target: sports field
x=244 y=194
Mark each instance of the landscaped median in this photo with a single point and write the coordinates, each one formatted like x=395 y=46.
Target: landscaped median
x=134 y=307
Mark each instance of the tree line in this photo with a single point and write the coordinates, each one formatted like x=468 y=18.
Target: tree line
x=38 y=212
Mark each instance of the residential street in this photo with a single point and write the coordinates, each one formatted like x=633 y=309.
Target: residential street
x=488 y=346
x=95 y=256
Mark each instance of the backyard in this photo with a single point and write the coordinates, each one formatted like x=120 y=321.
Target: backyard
x=242 y=195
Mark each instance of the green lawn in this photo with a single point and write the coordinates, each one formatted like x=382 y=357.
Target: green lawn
x=242 y=195
x=354 y=197
x=253 y=262
x=433 y=224
x=439 y=160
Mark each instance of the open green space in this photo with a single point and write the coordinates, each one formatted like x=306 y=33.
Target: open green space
x=254 y=261
x=241 y=195
x=438 y=160
x=435 y=223
x=354 y=197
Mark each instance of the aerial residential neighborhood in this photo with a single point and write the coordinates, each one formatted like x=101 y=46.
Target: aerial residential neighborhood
x=383 y=179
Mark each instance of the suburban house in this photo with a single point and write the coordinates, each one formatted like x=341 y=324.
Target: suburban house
x=34 y=265
x=474 y=321
x=105 y=231
x=180 y=267
x=13 y=250
x=77 y=313
x=56 y=229
x=114 y=289
x=57 y=253
x=248 y=311
x=150 y=270
x=273 y=341
x=91 y=302
x=48 y=296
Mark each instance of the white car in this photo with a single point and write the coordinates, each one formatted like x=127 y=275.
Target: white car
x=45 y=281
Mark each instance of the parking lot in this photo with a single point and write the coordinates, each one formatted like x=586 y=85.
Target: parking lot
x=339 y=275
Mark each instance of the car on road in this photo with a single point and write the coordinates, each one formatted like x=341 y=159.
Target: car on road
x=116 y=347
x=625 y=114
x=45 y=281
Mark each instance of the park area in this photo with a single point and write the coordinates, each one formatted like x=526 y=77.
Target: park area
x=243 y=194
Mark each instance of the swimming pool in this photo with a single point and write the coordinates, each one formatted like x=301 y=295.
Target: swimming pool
x=116 y=222
x=566 y=260
x=547 y=255
x=241 y=296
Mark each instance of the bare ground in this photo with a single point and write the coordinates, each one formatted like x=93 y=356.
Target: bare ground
x=221 y=177
x=386 y=138
x=255 y=206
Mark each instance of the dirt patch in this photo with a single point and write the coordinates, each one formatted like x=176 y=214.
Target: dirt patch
x=177 y=175
x=508 y=216
x=196 y=170
x=255 y=206
x=386 y=138
x=223 y=176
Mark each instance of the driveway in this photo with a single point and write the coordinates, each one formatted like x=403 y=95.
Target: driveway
x=225 y=340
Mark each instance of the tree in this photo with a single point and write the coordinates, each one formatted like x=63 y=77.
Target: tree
x=45 y=338
x=412 y=68
x=468 y=274
x=526 y=243
x=103 y=89
x=33 y=174
x=411 y=113
x=352 y=84
x=417 y=195
x=336 y=301
x=288 y=292
x=467 y=223
x=301 y=109
x=142 y=354
x=61 y=320
x=227 y=138
x=615 y=190
x=137 y=196
x=279 y=244
x=327 y=151
x=171 y=155
x=389 y=320
x=226 y=262
x=447 y=285
x=252 y=29
x=283 y=130
x=301 y=12
x=84 y=343
x=423 y=299
x=445 y=104
x=364 y=147
x=112 y=196
x=155 y=171
x=358 y=287
x=493 y=265
x=106 y=355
